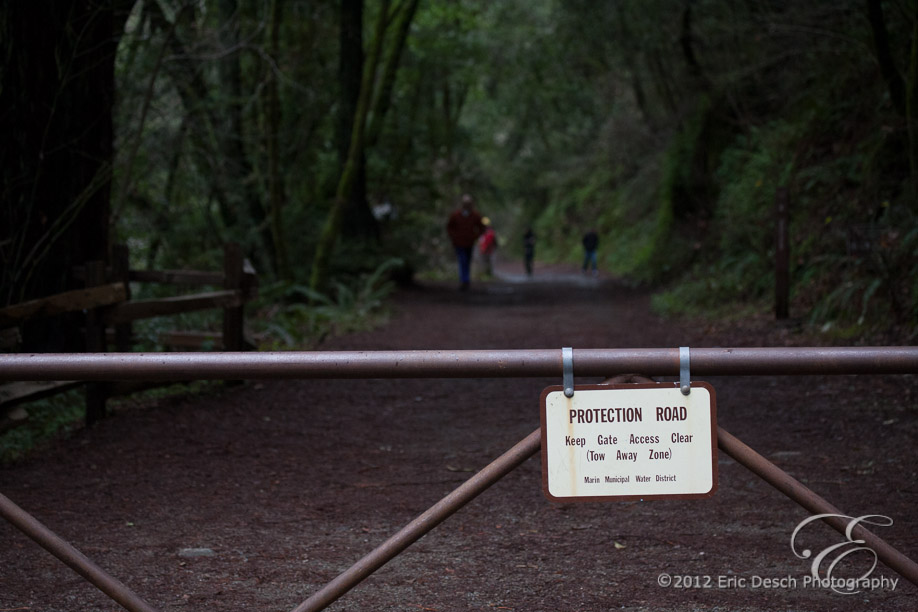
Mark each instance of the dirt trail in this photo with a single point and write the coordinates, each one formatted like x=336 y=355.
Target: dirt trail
x=283 y=485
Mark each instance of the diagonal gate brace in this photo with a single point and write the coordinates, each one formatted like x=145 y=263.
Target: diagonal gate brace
x=529 y=446
x=420 y=526
x=77 y=561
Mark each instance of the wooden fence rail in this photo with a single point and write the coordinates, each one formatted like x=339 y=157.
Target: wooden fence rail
x=110 y=312
x=69 y=301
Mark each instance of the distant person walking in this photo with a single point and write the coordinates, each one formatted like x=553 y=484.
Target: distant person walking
x=487 y=244
x=529 y=240
x=464 y=227
x=590 y=243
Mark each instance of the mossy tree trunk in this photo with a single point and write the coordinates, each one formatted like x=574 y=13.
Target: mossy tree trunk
x=353 y=162
x=373 y=95
x=276 y=192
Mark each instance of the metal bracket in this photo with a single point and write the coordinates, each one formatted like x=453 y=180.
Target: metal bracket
x=567 y=371
x=685 y=377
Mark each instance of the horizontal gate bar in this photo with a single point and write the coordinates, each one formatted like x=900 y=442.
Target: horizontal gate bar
x=454 y=364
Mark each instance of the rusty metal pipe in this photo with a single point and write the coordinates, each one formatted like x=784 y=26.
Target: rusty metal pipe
x=804 y=496
x=454 y=364
x=77 y=561
x=417 y=528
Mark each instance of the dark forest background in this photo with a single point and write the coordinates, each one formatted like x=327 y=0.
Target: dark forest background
x=669 y=126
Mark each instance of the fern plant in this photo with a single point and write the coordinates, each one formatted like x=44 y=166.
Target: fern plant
x=296 y=316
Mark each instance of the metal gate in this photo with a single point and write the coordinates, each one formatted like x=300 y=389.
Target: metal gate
x=461 y=364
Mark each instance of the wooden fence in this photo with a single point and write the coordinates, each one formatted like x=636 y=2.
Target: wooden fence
x=110 y=313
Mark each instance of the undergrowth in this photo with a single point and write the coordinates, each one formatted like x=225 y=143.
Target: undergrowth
x=49 y=418
x=59 y=416
x=289 y=315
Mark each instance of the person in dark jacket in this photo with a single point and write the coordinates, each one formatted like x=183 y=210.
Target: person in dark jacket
x=464 y=227
x=590 y=243
x=529 y=240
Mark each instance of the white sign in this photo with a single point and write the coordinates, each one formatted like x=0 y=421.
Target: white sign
x=619 y=442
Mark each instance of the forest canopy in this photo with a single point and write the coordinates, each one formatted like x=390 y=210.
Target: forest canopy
x=328 y=137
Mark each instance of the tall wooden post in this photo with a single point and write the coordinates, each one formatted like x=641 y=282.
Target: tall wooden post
x=121 y=273
x=96 y=392
x=782 y=254
x=233 y=316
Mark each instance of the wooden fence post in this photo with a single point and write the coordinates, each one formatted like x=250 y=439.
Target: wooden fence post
x=95 y=343
x=782 y=254
x=121 y=273
x=233 y=316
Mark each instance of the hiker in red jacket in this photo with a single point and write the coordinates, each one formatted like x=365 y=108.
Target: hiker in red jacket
x=487 y=244
x=464 y=227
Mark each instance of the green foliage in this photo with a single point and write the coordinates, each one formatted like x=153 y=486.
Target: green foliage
x=750 y=173
x=665 y=126
x=846 y=294
x=737 y=265
x=666 y=247
x=290 y=315
x=874 y=292
x=49 y=418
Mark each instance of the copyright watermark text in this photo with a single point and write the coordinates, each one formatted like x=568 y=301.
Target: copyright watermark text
x=848 y=585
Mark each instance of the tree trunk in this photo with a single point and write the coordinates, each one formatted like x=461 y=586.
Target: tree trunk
x=276 y=197
x=383 y=98
x=245 y=199
x=687 y=43
x=353 y=164
x=660 y=73
x=911 y=110
x=350 y=70
x=216 y=132
x=56 y=96
x=358 y=221
x=193 y=92
x=884 y=56
x=628 y=49
x=126 y=178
